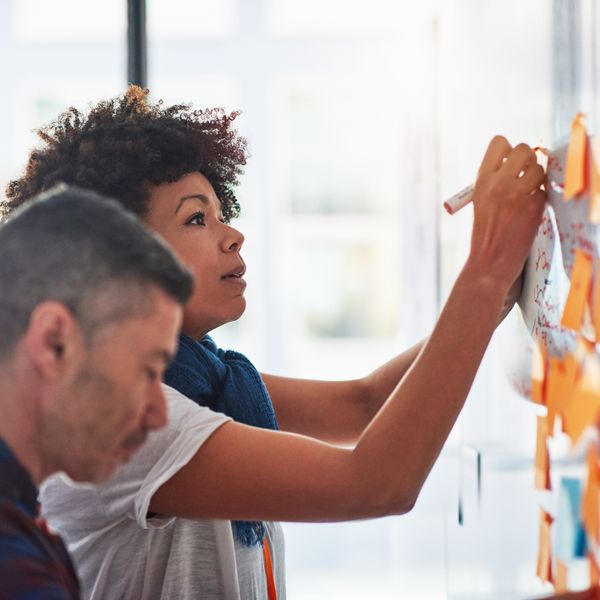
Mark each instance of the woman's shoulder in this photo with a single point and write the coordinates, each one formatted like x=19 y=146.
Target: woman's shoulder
x=183 y=410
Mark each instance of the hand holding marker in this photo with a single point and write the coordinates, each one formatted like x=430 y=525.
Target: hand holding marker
x=462 y=198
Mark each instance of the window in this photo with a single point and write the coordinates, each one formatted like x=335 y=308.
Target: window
x=361 y=118
x=55 y=56
x=333 y=198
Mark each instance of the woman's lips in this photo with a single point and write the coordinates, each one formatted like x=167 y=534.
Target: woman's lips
x=236 y=276
x=234 y=280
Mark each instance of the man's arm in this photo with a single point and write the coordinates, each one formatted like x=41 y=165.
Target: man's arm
x=248 y=473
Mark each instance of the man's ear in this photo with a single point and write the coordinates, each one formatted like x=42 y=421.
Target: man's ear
x=53 y=338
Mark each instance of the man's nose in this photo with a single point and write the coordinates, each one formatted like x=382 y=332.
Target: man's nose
x=157 y=412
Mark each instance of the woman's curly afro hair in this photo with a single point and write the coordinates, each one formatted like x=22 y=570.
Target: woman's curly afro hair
x=124 y=145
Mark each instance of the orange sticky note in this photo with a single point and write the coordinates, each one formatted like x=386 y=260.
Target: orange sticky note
x=596 y=302
x=542 y=459
x=594 y=571
x=579 y=292
x=575 y=167
x=595 y=180
x=581 y=411
x=584 y=348
x=538 y=373
x=544 y=562
x=561 y=377
x=590 y=500
x=560 y=580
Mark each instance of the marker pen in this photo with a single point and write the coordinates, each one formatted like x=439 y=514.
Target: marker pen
x=462 y=198
x=459 y=200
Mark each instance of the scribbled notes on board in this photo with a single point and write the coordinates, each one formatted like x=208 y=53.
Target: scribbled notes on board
x=560 y=306
x=545 y=289
x=560 y=300
x=569 y=229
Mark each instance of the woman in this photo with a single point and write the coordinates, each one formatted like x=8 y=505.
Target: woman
x=156 y=531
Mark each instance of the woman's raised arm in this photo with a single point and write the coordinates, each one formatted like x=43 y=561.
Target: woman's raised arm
x=248 y=473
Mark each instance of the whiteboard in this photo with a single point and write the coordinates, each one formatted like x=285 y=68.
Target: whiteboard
x=565 y=228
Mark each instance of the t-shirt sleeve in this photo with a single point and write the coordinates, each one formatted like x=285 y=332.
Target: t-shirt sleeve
x=128 y=493
x=192 y=425
x=164 y=453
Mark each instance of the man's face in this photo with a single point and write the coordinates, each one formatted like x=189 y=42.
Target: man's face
x=112 y=398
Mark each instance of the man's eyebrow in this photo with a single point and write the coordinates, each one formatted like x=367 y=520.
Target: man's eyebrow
x=163 y=355
x=203 y=198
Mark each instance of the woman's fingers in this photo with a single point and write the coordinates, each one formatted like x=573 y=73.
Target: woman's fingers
x=518 y=162
x=495 y=155
x=533 y=176
x=519 y=157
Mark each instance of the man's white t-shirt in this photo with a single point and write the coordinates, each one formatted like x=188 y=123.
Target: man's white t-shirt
x=121 y=553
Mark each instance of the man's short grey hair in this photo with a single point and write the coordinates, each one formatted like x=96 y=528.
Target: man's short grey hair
x=84 y=250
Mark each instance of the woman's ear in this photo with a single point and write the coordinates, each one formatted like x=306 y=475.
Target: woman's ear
x=53 y=338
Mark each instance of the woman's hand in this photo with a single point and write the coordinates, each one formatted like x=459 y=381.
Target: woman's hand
x=508 y=204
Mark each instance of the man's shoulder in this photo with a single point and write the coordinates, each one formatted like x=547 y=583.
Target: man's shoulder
x=14 y=523
x=32 y=560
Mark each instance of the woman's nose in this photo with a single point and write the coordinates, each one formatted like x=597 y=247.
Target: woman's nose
x=234 y=240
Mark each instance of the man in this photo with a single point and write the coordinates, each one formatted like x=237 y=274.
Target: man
x=90 y=310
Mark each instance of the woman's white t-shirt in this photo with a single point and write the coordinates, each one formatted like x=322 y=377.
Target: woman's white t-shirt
x=120 y=552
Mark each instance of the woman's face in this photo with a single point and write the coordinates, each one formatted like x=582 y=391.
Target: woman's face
x=187 y=214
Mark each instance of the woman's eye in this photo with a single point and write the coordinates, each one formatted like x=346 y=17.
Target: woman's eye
x=197 y=219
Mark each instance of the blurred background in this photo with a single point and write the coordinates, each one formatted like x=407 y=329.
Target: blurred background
x=362 y=117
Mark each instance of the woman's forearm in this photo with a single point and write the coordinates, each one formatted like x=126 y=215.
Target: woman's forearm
x=407 y=435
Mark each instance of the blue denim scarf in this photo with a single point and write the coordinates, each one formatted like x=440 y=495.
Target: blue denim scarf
x=227 y=382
